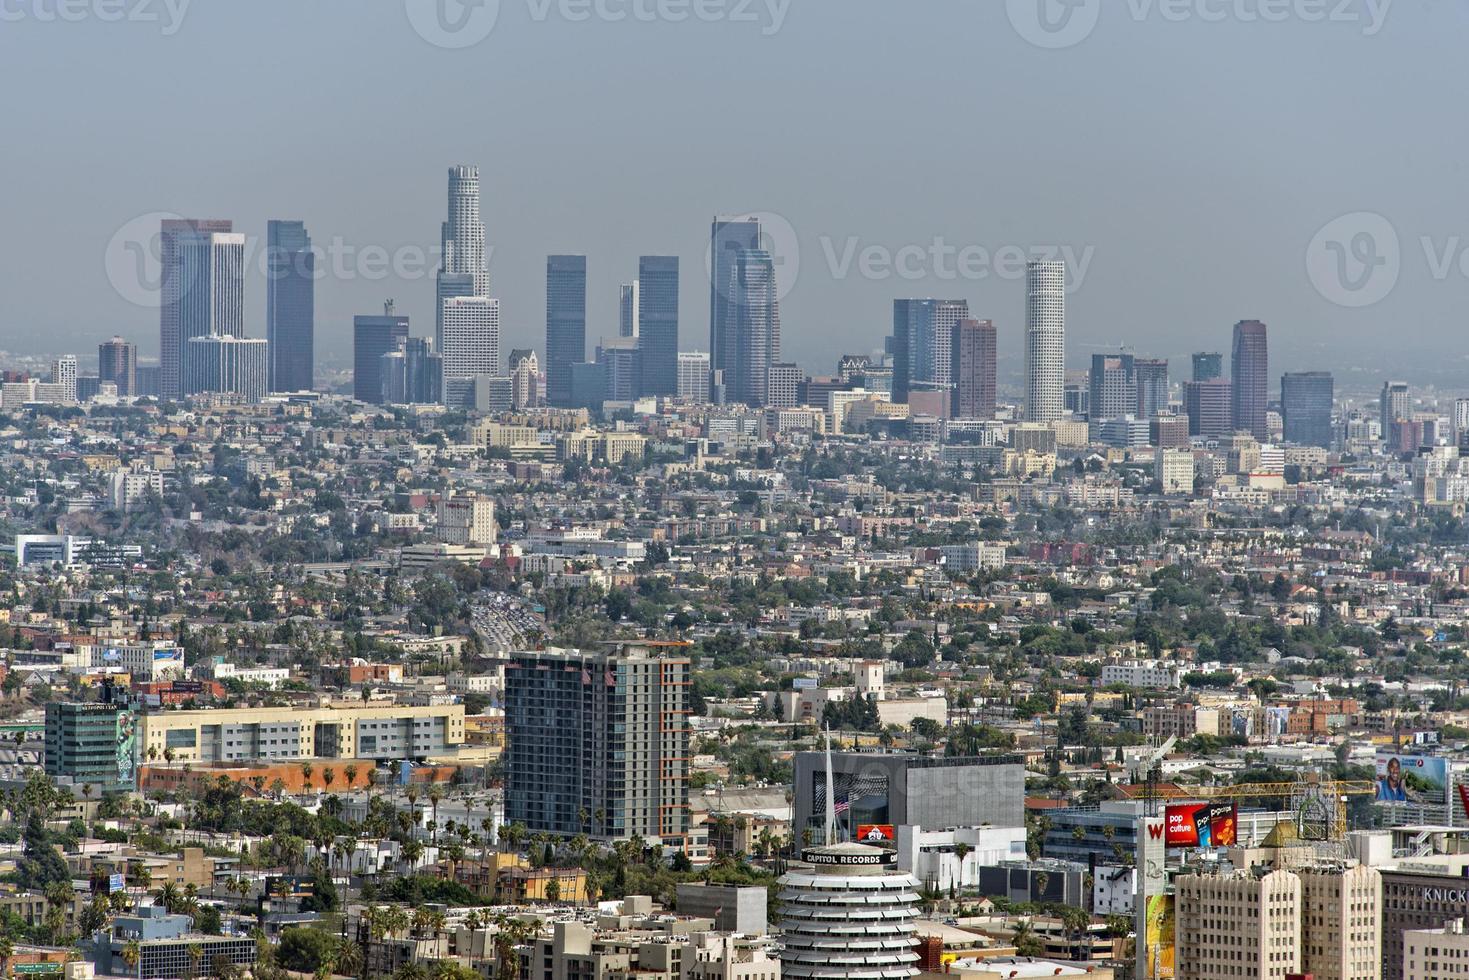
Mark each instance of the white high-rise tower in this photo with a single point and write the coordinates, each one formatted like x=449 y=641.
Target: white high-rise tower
x=467 y=334
x=1045 y=341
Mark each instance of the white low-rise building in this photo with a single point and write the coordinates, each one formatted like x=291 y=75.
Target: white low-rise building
x=932 y=856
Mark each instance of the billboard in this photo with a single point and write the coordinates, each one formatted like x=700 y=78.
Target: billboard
x=875 y=833
x=1412 y=778
x=1201 y=825
x=1158 y=926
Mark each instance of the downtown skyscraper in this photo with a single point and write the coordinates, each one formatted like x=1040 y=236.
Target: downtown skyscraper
x=566 y=325
x=727 y=237
x=922 y=343
x=1045 y=341
x=1250 y=378
x=117 y=362
x=973 y=362
x=202 y=291
x=1306 y=399
x=657 y=323
x=752 y=327
x=467 y=328
x=372 y=338
x=290 y=307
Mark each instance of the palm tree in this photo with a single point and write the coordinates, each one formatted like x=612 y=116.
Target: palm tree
x=350 y=771
x=196 y=953
x=349 y=958
x=1025 y=941
x=7 y=950
x=132 y=954
x=307 y=769
x=328 y=776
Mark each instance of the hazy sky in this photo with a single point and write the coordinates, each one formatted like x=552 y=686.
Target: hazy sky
x=1189 y=152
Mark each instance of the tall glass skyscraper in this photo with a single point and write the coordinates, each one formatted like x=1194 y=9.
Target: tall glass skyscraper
x=973 y=363
x=1152 y=386
x=117 y=361
x=202 y=291
x=752 y=326
x=1250 y=370
x=657 y=323
x=1113 y=386
x=1208 y=366
x=923 y=332
x=1045 y=342
x=290 y=306
x=1306 y=399
x=728 y=237
x=372 y=337
x=566 y=324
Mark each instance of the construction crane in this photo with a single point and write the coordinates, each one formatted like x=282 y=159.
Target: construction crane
x=1150 y=768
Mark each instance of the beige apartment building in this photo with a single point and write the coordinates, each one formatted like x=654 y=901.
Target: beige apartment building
x=1324 y=922
x=334 y=731
x=1341 y=925
x=1236 y=925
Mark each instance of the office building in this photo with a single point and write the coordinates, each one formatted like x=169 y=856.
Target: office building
x=467 y=519
x=923 y=343
x=1208 y=367
x=64 y=376
x=469 y=345
x=599 y=742
x=372 y=337
x=1045 y=341
x=226 y=365
x=167 y=946
x=462 y=240
x=934 y=793
x=91 y=744
x=783 y=386
x=1237 y=924
x=1174 y=471
x=848 y=911
x=1434 y=954
x=1209 y=407
x=412 y=374
x=202 y=291
x=525 y=376
x=1113 y=383
x=622 y=365
x=1417 y=898
x=727 y=237
x=627 y=309
x=753 y=330
x=117 y=362
x=340 y=731
x=693 y=377
x=1152 y=386
x=1306 y=399
x=290 y=306
x=1250 y=378
x=566 y=324
x=1395 y=406
x=1168 y=431
x=657 y=323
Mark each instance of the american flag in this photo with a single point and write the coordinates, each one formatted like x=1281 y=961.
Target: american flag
x=842 y=806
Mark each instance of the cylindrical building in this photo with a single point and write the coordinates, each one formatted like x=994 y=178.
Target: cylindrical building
x=848 y=913
x=1045 y=342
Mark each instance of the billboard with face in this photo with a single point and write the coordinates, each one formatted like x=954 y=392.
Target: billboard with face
x=1411 y=778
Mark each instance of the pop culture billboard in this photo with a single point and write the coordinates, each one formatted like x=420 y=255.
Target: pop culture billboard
x=1201 y=825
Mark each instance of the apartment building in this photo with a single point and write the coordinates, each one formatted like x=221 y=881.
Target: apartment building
x=1342 y=923
x=334 y=731
x=1436 y=954
x=1238 y=924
